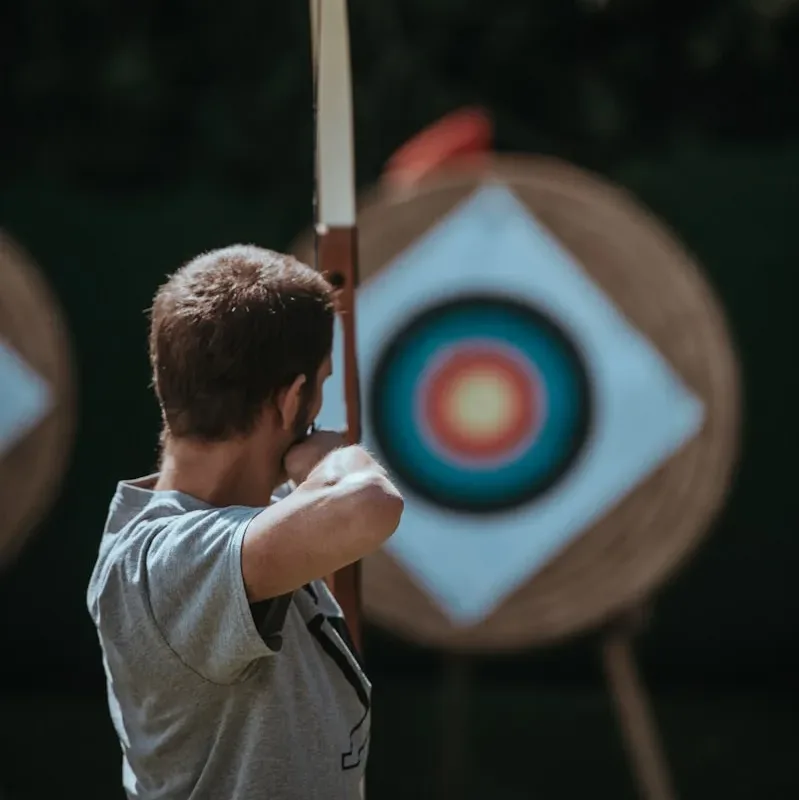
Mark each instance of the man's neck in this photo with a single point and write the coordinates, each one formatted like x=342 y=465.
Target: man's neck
x=220 y=474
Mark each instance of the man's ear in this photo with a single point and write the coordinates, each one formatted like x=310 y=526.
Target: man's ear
x=289 y=402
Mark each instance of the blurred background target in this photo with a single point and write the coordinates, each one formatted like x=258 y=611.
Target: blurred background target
x=37 y=404
x=480 y=403
x=549 y=377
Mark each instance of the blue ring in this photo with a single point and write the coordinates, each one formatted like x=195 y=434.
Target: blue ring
x=403 y=443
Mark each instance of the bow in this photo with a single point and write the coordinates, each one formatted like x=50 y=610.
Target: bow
x=335 y=230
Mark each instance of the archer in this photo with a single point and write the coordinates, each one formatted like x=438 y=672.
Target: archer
x=230 y=670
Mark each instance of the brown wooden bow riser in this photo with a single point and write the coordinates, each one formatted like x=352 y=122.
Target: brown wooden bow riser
x=337 y=259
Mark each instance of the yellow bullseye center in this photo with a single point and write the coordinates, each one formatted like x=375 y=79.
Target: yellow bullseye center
x=481 y=403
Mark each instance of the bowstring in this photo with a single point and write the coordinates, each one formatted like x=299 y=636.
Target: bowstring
x=316 y=14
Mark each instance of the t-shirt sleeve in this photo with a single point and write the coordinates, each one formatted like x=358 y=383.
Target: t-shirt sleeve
x=197 y=595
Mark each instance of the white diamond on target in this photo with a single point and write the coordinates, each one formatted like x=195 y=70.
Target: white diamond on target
x=25 y=398
x=642 y=411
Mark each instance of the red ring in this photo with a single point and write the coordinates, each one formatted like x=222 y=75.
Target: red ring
x=526 y=405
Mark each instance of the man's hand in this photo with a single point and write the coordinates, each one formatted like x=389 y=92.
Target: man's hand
x=301 y=459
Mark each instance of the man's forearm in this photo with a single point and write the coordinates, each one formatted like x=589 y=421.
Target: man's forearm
x=345 y=510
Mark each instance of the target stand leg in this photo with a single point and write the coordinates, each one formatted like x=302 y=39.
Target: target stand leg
x=635 y=716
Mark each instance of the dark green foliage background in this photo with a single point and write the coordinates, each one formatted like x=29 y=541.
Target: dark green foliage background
x=136 y=135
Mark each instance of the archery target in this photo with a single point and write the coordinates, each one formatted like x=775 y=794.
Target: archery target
x=424 y=410
x=36 y=397
x=480 y=403
x=548 y=379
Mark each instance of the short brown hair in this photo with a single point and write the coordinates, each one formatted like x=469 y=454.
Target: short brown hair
x=228 y=331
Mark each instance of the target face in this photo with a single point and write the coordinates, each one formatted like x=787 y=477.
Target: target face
x=480 y=403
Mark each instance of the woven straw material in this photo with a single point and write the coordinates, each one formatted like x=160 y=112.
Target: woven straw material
x=30 y=472
x=658 y=286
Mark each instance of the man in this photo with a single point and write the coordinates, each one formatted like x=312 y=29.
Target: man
x=230 y=672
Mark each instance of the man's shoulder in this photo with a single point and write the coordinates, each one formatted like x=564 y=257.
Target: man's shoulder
x=137 y=512
x=135 y=518
x=122 y=548
x=163 y=527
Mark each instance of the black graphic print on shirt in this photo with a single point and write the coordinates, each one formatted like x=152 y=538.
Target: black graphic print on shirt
x=333 y=636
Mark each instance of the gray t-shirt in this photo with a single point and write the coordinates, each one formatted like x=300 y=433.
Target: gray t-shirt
x=213 y=698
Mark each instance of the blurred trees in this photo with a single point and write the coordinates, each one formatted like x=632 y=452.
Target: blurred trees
x=126 y=94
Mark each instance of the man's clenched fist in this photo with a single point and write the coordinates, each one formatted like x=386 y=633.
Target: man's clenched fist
x=303 y=457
